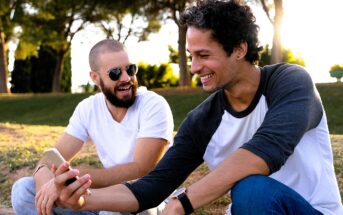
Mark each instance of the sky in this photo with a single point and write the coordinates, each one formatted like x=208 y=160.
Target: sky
x=313 y=29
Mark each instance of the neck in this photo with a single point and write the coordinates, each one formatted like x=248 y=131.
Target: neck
x=117 y=113
x=242 y=92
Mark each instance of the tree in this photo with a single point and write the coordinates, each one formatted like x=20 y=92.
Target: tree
x=54 y=24
x=171 y=10
x=35 y=73
x=10 y=13
x=275 y=8
x=152 y=12
x=336 y=71
x=287 y=57
x=121 y=19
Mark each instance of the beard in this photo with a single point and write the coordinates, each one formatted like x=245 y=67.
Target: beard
x=114 y=100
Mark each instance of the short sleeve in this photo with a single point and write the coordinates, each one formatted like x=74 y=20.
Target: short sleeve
x=156 y=120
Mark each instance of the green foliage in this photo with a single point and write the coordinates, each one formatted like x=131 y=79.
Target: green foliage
x=42 y=70
x=174 y=58
x=21 y=76
x=336 y=71
x=54 y=24
x=287 y=57
x=122 y=19
x=35 y=73
x=173 y=55
x=332 y=97
x=66 y=75
x=89 y=88
x=153 y=76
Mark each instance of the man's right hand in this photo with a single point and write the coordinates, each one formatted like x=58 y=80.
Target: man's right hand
x=71 y=196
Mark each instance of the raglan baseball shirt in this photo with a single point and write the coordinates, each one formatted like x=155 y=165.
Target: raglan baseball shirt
x=285 y=125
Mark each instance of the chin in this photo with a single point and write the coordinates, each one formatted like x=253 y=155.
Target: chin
x=208 y=89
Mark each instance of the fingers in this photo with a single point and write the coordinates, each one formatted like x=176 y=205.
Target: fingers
x=77 y=188
x=53 y=168
x=72 y=195
x=62 y=168
x=62 y=177
x=46 y=197
x=48 y=206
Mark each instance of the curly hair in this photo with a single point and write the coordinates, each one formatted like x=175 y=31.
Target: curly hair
x=230 y=23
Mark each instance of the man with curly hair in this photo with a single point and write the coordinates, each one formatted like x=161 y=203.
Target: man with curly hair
x=263 y=132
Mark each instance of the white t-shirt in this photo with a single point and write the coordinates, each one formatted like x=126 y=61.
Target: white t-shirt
x=149 y=117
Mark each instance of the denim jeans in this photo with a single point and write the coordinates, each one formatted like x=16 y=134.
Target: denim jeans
x=262 y=195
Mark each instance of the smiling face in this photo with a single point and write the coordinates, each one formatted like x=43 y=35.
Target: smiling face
x=210 y=61
x=122 y=92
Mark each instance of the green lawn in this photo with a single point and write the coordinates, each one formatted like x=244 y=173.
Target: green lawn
x=30 y=123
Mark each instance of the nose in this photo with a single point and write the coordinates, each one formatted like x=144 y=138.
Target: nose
x=195 y=66
x=124 y=77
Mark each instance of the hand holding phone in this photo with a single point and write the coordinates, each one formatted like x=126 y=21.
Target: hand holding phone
x=57 y=159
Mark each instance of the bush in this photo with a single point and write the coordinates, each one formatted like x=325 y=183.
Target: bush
x=153 y=76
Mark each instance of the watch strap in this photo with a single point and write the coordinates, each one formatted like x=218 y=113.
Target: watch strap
x=186 y=203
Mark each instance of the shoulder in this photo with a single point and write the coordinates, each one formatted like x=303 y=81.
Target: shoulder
x=290 y=73
x=149 y=98
x=91 y=103
x=92 y=100
x=284 y=79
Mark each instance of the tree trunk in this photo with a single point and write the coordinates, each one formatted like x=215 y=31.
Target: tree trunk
x=56 y=81
x=277 y=46
x=3 y=64
x=185 y=77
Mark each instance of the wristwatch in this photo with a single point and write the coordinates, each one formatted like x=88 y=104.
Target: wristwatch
x=181 y=195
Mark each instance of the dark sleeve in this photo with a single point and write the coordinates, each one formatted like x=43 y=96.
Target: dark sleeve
x=176 y=165
x=183 y=157
x=294 y=107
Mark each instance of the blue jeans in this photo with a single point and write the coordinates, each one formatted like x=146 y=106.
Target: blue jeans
x=262 y=195
x=23 y=199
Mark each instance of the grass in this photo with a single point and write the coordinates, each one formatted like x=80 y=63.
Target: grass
x=30 y=123
x=332 y=97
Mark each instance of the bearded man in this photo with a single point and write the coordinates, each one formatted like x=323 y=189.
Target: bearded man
x=130 y=126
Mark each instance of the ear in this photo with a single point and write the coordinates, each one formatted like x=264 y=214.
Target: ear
x=95 y=78
x=241 y=50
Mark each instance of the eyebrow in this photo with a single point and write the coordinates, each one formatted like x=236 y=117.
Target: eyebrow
x=200 y=51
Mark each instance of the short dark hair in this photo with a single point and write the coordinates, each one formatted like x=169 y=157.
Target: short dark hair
x=103 y=46
x=230 y=22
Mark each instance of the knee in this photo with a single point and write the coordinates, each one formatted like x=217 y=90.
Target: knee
x=249 y=194
x=246 y=187
x=23 y=191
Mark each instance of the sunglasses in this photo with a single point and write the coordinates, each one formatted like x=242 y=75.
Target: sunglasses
x=115 y=73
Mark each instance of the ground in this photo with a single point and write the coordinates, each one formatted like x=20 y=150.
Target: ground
x=20 y=146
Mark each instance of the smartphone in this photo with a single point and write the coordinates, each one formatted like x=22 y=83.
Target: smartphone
x=57 y=159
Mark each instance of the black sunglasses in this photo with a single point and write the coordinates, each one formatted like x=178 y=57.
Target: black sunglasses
x=115 y=73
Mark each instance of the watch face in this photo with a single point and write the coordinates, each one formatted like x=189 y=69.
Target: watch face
x=178 y=192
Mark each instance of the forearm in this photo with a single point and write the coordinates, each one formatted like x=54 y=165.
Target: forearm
x=114 y=175
x=114 y=198
x=214 y=185
x=43 y=174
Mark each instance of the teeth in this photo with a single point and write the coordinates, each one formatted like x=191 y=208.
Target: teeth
x=203 y=78
x=124 y=88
